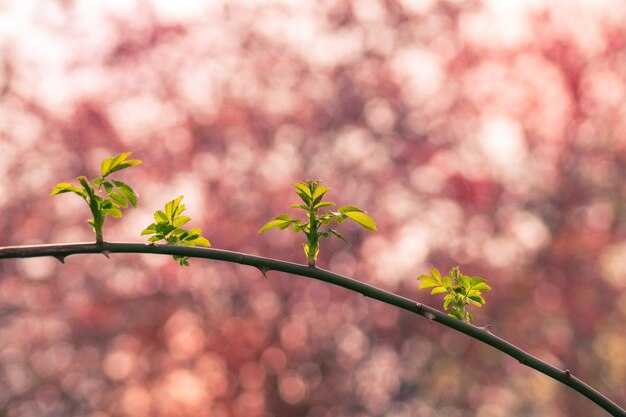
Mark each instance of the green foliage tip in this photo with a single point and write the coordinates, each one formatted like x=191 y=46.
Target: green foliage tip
x=104 y=196
x=461 y=291
x=167 y=227
x=312 y=196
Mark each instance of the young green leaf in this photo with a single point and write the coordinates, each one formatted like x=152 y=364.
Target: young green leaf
x=119 y=199
x=277 y=222
x=103 y=201
x=311 y=194
x=362 y=219
x=117 y=163
x=481 y=286
x=319 y=193
x=160 y=217
x=427 y=282
x=338 y=235
x=65 y=187
x=127 y=192
x=323 y=204
x=181 y=220
x=461 y=291
x=304 y=187
x=168 y=227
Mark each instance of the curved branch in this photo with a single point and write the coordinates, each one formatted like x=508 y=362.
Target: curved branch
x=61 y=251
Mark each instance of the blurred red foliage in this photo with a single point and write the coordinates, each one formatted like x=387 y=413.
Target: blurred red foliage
x=486 y=134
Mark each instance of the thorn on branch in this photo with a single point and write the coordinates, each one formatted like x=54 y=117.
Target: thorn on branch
x=568 y=374
x=61 y=258
x=487 y=328
x=430 y=317
x=106 y=253
x=263 y=270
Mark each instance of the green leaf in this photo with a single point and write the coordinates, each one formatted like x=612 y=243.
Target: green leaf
x=348 y=209
x=160 y=217
x=436 y=274
x=481 y=286
x=165 y=228
x=285 y=225
x=323 y=204
x=456 y=314
x=438 y=290
x=155 y=238
x=113 y=212
x=339 y=235
x=361 y=218
x=117 y=163
x=174 y=208
x=460 y=290
x=446 y=282
x=200 y=241
x=448 y=299
x=127 y=192
x=319 y=193
x=149 y=230
x=195 y=231
x=476 y=280
x=299 y=206
x=427 y=282
x=273 y=223
x=477 y=298
x=303 y=192
x=464 y=280
x=108 y=187
x=65 y=187
x=119 y=199
x=86 y=186
x=105 y=166
x=181 y=220
x=304 y=188
x=338 y=217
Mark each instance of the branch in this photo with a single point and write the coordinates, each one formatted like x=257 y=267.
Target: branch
x=61 y=251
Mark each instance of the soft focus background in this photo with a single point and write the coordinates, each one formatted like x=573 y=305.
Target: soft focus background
x=486 y=134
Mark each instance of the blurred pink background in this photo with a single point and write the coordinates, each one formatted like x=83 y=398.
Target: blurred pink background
x=485 y=134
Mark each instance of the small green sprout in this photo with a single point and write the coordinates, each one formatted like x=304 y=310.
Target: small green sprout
x=462 y=291
x=168 y=227
x=117 y=195
x=311 y=194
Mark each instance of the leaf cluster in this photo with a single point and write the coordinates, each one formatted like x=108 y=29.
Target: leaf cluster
x=167 y=227
x=312 y=196
x=104 y=196
x=462 y=290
